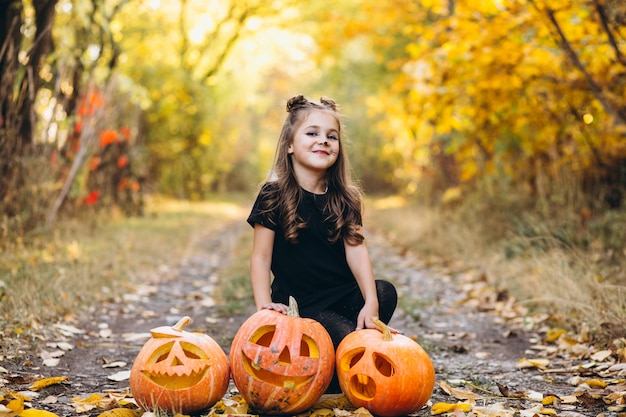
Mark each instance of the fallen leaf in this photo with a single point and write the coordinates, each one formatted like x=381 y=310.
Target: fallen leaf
x=16 y=405
x=533 y=363
x=51 y=362
x=595 y=382
x=601 y=355
x=50 y=399
x=6 y=411
x=115 y=364
x=120 y=376
x=46 y=382
x=460 y=394
x=31 y=412
x=322 y=412
x=440 y=408
x=68 y=330
x=235 y=405
x=82 y=405
x=121 y=412
x=494 y=410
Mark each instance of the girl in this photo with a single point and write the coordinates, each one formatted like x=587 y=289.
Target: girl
x=307 y=230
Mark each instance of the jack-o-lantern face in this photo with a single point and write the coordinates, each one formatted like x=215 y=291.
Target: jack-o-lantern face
x=361 y=385
x=287 y=363
x=281 y=363
x=177 y=364
x=179 y=371
x=390 y=375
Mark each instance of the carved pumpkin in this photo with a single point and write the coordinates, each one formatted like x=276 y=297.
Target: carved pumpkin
x=390 y=375
x=179 y=371
x=281 y=363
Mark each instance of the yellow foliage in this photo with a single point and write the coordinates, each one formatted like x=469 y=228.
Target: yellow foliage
x=494 y=85
x=31 y=412
x=441 y=408
x=46 y=382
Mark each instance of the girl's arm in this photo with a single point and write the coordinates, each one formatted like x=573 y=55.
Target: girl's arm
x=359 y=262
x=260 y=269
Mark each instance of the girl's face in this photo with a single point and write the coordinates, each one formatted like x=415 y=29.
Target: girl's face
x=315 y=145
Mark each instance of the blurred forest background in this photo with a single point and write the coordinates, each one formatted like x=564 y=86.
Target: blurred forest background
x=507 y=118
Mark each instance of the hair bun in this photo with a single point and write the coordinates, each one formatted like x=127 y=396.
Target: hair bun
x=296 y=102
x=299 y=102
x=329 y=102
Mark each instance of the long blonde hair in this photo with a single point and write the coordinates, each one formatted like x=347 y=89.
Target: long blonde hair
x=343 y=203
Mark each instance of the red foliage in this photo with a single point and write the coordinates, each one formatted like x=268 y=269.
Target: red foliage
x=107 y=137
x=122 y=161
x=91 y=103
x=92 y=198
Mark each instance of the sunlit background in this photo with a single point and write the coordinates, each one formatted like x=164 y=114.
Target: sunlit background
x=441 y=99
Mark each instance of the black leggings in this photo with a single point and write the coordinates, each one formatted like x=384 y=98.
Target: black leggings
x=339 y=319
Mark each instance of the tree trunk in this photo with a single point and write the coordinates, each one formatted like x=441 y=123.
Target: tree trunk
x=10 y=44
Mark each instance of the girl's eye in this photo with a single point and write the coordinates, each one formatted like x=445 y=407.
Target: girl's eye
x=311 y=133
x=333 y=137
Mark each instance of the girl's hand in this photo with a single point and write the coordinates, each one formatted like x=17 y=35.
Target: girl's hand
x=280 y=307
x=369 y=324
x=364 y=319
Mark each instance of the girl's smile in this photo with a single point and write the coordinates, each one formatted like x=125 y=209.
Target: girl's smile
x=315 y=145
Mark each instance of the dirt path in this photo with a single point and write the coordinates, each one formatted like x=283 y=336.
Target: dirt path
x=469 y=347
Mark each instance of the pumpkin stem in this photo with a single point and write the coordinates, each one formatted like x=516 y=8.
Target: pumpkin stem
x=293 y=308
x=182 y=323
x=387 y=337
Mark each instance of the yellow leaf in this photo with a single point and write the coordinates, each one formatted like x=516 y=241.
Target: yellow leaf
x=553 y=334
x=595 y=382
x=82 y=405
x=533 y=363
x=121 y=412
x=440 y=408
x=31 y=412
x=16 y=405
x=547 y=411
x=548 y=400
x=46 y=382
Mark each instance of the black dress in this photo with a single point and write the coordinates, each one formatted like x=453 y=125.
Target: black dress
x=313 y=270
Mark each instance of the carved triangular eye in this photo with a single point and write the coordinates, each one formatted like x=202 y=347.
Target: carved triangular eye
x=284 y=357
x=383 y=365
x=350 y=359
x=308 y=347
x=263 y=336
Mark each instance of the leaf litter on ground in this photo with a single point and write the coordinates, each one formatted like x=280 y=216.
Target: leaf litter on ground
x=596 y=374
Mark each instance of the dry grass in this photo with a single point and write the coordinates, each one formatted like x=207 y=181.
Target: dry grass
x=553 y=264
x=51 y=274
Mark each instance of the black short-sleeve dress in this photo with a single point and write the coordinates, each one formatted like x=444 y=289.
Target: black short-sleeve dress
x=313 y=270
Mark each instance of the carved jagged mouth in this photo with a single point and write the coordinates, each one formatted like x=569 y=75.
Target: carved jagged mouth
x=283 y=381
x=175 y=381
x=363 y=387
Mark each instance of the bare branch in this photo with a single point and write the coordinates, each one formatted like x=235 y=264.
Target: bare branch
x=596 y=90
x=605 y=25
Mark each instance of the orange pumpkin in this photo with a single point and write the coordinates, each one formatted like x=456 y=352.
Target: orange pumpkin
x=179 y=371
x=389 y=374
x=281 y=363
